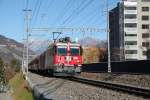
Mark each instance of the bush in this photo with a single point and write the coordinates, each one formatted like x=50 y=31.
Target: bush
x=16 y=65
x=3 y=79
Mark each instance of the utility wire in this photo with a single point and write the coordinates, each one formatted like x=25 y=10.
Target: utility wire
x=78 y=10
x=50 y=3
x=35 y=11
x=82 y=8
x=89 y=17
x=67 y=7
x=73 y=12
x=38 y=10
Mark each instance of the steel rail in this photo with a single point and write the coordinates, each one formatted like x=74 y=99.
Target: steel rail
x=113 y=86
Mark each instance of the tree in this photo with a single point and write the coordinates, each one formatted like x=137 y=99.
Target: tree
x=2 y=72
x=103 y=57
x=15 y=65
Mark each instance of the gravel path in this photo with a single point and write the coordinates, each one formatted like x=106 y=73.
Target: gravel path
x=5 y=96
x=60 y=89
x=136 y=80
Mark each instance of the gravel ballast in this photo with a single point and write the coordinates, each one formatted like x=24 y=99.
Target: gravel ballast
x=139 y=80
x=61 y=89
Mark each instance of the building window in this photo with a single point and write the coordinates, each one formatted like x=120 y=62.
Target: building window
x=145 y=44
x=145 y=0
x=131 y=59
x=145 y=9
x=130 y=16
x=130 y=42
x=145 y=35
x=130 y=8
x=130 y=25
x=131 y=52
x=144 y=52
x=130 y=34
x=145 y=26
x=145 y=17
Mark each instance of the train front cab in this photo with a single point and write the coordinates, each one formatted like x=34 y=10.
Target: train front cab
x=67 y=59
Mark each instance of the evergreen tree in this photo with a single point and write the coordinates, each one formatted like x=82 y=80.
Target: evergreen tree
x=2 y=72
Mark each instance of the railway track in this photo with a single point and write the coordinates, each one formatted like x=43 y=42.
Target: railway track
x=117 y=87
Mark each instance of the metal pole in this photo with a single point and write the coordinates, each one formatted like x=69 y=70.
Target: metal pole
x=27 y=43
x=23 y=59
x=27 y=37
x=108 y=40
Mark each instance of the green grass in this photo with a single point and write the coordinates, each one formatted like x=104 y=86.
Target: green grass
x=20 y=88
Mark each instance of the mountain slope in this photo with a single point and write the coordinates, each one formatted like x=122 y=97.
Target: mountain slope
x=10 y=49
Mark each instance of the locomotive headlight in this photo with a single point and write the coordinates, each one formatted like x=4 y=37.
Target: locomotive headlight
x=75 y=58
x=58 y=59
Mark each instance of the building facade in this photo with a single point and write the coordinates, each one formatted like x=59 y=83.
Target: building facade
x=129 y=30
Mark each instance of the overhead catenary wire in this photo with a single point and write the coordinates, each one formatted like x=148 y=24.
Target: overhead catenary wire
x=46 y=10
x=37 y=13
x=50 y=3
x=38 y=6
x=68 y=5
x=73 y=12
x=78 y=11
x=66 y=8
x=89 y=17
x=33 y=11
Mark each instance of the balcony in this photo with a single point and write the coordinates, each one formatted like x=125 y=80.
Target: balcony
x=130 y=30
x=130 y=11
x=130 y=38
x=130 y=20
x=131 y=56
x=131 y=47
x=130 y=3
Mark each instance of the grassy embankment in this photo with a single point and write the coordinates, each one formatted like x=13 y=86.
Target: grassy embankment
x=20 y=88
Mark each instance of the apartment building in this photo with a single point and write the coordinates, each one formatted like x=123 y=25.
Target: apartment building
x=129 y=30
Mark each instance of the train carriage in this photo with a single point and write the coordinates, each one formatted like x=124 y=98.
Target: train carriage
x=61 y=58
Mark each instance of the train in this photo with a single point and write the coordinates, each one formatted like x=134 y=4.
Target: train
x=62 y=58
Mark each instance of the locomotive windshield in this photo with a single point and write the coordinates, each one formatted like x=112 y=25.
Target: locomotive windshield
x=74 y=51
x=62 y=50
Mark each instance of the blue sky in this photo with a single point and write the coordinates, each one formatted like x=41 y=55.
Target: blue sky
x=53 y=13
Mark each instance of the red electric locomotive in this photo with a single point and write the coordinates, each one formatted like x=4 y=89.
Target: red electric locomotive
x=61 y=58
